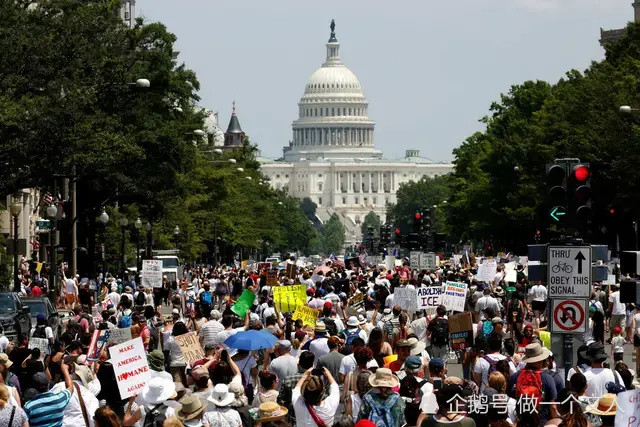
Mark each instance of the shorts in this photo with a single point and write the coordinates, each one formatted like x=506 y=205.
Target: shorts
x=636 y=341
x=70 y=297
x=539 y=305
x=618 y=356
x=617 y=320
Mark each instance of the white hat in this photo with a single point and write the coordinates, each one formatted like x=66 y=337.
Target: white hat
x=353 y=322
x=175 y=311
x=221 y=396
x=157 y=390
x=361 y=319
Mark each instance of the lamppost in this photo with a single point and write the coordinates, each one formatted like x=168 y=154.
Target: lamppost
x=15 y=209
x=123 y=225
x=176 y=235
x=52 y=213
x=104 y=219
x=138 y=225
x=149 y=251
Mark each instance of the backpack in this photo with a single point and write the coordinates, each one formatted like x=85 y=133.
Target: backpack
x=125 y=322
x=380 y=414
x=39 y=332
x=440 y=333
x=156 y=417
x=206 y=297
x=349 y=337
x=411 y=390
x=487 y=327
x=529 y=384
x=140 y=298
x=331 y=326
x=492 y=364
x=221 y=288
x=387 y=327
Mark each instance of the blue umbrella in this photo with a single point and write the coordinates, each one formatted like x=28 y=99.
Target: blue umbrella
x=251 y=340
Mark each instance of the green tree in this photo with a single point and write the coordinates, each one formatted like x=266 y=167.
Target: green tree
x=332 y=236
x=371 y=220
x=308 y=208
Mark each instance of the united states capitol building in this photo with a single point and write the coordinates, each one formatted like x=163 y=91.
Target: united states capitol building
x=332 y=158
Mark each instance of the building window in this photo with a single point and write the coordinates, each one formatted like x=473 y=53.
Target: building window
x=356 y=200
x=374 y=200
x=277 y=176
x=365 y=200
x=319 y=200
x=344 y=200
x=319 y=175
x=286 y=176
x=319 y=186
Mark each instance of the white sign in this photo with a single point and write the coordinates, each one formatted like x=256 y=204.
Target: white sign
x=569 y=316
x=152 y=273
x=42 y=344
x=406 y=298
x=390 y=262
x=569 y=271
x=454 y=295
x=414 y=259
x=487 y=271
x=120 y=335
x=130 y=367
x=429 y=297
x=511 y=276
x=628 y=409
x=428 y=261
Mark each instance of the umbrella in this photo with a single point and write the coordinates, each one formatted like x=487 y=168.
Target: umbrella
x=251 y=340
x=325 y=269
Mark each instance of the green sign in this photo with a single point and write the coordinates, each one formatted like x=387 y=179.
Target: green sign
x=244 y=303
x=43 y=224
x=557 y=213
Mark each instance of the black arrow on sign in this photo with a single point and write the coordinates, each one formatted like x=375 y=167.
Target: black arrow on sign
x=566 y=316
x=580 y=257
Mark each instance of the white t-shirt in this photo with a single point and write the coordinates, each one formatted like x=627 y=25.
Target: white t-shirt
x=618 y=307
x=246 y=365
x=47 y=331
x=73 y=412
x=222 y=336
x=482 y=367
x=4 y=343
x=597 y=378
x=538 y=292
x=319 y=347
x=70 y=286
x=419 y=327
x=326 y=411
x=348 y=364
x=222 y=417
x=283 y=366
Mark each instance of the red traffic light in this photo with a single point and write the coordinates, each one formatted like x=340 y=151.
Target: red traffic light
x=418 y=216
x=581 y=173
x=612 y=211
x=397 y=231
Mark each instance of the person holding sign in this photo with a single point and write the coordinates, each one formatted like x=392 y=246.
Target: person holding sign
x=47 y=408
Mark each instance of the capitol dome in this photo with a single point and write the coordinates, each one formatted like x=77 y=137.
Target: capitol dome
x=333 y=117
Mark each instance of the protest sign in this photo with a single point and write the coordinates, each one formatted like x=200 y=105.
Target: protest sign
x=306 y=314
x=289 y=298
x=151 y=273
x=130 y=367
x=628 y=409
x=291 y=270
x=99 y=339
x=390 y=262
x=487 y=270
x=356 y=301
x=244 y=303
x=406 y=298
x=460 y=331
x=272 y=277
x=454 y=295
x=414 y=259
x=263 y=266
x=41 y=343
x=190 y=347
x=511 y=276
x=428 y=261
x=120 y=335
x=429 y=298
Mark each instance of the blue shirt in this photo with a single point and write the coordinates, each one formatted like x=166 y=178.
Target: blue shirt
x=47 y=409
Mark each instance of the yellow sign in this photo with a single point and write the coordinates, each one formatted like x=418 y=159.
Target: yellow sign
x=289 y=298
x=309 y=316
x=545 y=337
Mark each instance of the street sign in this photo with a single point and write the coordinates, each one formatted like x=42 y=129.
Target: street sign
x=43 y=224
x=428 y=261
x=569 y=271
x=569 y=316
x=557 y=213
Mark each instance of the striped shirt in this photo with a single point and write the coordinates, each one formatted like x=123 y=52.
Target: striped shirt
x=209 y=330
x=47 y=409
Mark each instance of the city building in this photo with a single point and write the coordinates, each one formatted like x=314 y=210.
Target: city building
x=128 y=12
x=332 y=158
x=609 y=36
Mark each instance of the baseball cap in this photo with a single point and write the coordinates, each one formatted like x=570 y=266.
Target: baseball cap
x=286 y=344
x=40 y=381
x=199 y=372
x=436 y=363
x=617 y=330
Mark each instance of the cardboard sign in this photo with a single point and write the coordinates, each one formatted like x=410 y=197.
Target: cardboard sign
x=244 y=303
x=406 y=298
x=454 y=295
x=99 y=340
x=151 y=273
x=351 y=263
x=428 y=261
x=272 y=277
x=460 y=331
x=289 y=298
x=356 y=301
x=130 y=367
x=120 y=335
x=628 y=410
x=309 y=316
x=263 y=266
x=414 y=259
x=190 y=347
x=41 y=343
x=487 y=270
x=429 y=298
x=291 y=270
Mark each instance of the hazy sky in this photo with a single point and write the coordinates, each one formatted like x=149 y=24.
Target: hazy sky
x=430 y=69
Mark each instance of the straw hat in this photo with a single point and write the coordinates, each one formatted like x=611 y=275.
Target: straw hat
x=534 y=352
x=383 y=378
x=320 y=327
x=192 y=408
x=417 y=347
x=270 y=411
x=606 y=405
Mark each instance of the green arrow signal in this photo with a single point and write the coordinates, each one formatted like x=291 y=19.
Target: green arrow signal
x=557 y=212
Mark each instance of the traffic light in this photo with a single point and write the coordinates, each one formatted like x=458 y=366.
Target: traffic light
x=417 y=222
x=397 y=234
x=557 y=191
x=580 y=184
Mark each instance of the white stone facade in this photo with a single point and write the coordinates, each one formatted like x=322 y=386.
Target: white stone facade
x=332 y=158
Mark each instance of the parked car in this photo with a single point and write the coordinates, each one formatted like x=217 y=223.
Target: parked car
x=43 y=305
x=14 y=316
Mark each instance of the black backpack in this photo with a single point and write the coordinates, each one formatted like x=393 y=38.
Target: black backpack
x=140 y=298
x=331 y=326
x=440 y=332
x=410 y=389
x=40 y=332
x=156 y=416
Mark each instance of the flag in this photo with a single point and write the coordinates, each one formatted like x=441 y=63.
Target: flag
x=47 y=199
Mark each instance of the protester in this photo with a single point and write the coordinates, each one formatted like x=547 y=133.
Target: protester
x=311 y=408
